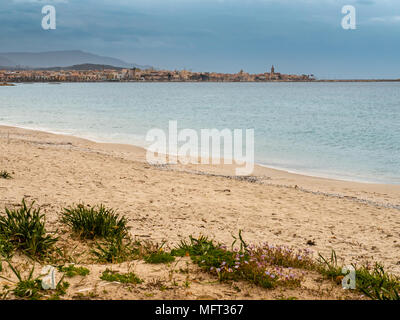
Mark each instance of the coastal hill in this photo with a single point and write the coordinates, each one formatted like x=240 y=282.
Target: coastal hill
x=75 y=67
x=83 y=67
x=31 y=60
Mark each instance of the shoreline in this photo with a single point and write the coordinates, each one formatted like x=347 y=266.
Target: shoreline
x=291 y=171
x=321 y=175
x=384 y=195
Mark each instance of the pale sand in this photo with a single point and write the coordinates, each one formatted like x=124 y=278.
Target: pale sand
x=168 y=203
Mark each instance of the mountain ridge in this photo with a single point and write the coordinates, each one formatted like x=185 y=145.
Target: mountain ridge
x=65 y=58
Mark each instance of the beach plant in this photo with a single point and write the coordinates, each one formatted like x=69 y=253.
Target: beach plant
x=248 y=263
x=5 y=292
x=25 y=230
x=72 y=271
x=376 y=283
x=95 y=222
x=242 y=243
x=194 y=247
x=6 y=247
x=30 y=288
x=113 y=250
x=146 y=247
x=283 y=256
x=153 y=253
x=371 y=280
x=65 y=254
x=383 y=294
x=5 y=175
x=27 y=288
x=104 y=225
x=61 y=289
x=111 y=276
x=159 y=257
x=329 y=267
x=120 y=250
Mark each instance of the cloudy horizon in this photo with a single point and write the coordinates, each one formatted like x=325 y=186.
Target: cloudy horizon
x=303 y=36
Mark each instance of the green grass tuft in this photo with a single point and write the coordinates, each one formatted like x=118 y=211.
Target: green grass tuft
x=6 y=247
x=61 y=290
x=159 y=257
x=95 y=222
x=377 y=284
x=28 y=289
x=113 y=250
x=151 y=252
x=329 y=267
x=374 y=281
x=24 y=228
x=72 y=271
x=112 y=276
x=100 y=223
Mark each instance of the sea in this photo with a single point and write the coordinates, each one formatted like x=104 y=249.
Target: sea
x=347 y=131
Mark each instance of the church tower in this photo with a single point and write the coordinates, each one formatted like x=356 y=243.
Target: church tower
x=272 y=70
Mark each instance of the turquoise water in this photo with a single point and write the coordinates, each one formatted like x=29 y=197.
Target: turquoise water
x=349 y=131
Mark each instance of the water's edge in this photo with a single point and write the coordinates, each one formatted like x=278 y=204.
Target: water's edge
x=283 y=169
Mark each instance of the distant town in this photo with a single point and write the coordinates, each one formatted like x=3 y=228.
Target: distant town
x=98 y=73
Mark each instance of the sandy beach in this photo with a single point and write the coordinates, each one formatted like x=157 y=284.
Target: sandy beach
x=361 y=222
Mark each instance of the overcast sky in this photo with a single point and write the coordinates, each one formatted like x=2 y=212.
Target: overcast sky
x=297 y=36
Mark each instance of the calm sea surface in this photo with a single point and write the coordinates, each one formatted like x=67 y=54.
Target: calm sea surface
x=349 y=131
